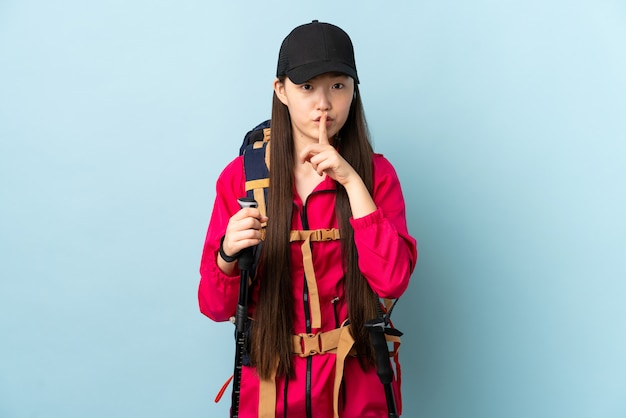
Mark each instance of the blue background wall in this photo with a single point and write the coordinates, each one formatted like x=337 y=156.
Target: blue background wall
x=505 y=121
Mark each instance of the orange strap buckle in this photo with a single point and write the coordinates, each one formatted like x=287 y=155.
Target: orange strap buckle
x=310 y=344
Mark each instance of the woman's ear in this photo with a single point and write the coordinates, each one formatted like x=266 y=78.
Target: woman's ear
x=279 y=89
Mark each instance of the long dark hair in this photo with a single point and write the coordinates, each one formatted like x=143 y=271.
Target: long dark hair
x=273 y=326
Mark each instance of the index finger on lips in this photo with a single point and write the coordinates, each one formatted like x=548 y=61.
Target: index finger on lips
x=323 y=135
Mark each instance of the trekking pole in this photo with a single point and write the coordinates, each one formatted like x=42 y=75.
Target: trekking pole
x=244 y=260
x=376 y=328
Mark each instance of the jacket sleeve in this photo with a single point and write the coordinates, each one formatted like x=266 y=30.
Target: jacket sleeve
x=217 y=292
x=387 y=253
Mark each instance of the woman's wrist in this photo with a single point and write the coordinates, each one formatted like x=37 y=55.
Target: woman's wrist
x=361 y=201
x=226 y=257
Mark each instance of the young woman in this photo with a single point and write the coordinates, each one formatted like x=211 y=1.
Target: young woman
x=310 y=353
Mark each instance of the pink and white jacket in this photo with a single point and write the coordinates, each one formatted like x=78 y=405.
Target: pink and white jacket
x=387 y=257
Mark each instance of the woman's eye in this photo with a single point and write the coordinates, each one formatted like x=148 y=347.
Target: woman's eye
x=306 y=87
x=338 y=86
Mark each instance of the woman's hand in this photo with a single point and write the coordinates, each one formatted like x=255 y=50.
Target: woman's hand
x=325 y=159
x=243 y=231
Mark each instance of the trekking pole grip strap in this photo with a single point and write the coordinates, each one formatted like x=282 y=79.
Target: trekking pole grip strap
x=226 y=257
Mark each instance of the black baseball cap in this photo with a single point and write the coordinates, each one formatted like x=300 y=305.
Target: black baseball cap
x=313 y=49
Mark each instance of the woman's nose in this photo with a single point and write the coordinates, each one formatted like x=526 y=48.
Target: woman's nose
x=323 y=102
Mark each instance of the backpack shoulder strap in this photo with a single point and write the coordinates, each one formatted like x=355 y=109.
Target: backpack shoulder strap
x=255 y=151
x=255 y=164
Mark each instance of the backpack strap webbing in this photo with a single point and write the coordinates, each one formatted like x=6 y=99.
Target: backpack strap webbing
x=338 y=341
x=309 y=272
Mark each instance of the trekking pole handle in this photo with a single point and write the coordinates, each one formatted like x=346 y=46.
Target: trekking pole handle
x=247 y=202
x=377 y=335
x=376 y=328
x=246 y=256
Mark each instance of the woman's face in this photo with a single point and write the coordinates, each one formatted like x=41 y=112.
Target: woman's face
x=330 y=93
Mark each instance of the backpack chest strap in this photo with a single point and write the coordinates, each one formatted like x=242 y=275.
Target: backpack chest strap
x=307 y=236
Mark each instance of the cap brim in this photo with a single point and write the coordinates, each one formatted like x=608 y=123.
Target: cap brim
x=304 y=73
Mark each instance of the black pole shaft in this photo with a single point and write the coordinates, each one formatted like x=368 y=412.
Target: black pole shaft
x=240 y=337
